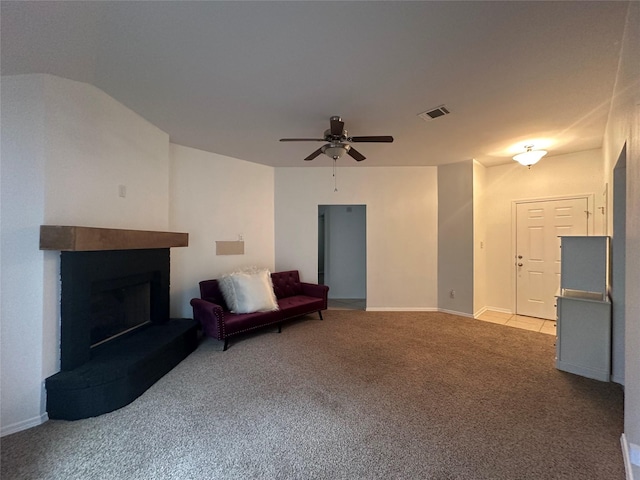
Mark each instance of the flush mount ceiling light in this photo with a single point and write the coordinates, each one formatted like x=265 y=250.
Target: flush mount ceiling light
x=530 y=156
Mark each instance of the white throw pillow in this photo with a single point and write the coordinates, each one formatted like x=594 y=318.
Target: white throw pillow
x=249 y=291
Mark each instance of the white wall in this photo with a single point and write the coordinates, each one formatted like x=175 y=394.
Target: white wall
x=401 y=227
x=623 y=128
x=66 y=146
x=21 y=268
x=455 y=237
x=617 y=266
x=562 y=175
x=479 y=238
x=214 y=198
x=94 y=144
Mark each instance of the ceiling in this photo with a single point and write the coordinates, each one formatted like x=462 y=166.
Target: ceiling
x=234 y=77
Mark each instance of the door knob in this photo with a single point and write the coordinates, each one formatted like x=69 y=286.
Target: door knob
x=520 y=257
x=519 y=264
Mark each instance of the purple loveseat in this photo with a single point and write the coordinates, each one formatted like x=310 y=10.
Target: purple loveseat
x=295 y=298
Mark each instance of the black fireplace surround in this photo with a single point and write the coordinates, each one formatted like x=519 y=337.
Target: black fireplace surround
x=97 y=379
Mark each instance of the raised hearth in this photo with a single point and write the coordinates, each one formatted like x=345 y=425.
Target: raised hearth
x=114 y=281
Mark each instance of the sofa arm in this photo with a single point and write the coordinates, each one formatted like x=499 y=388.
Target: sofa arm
x=315 y=290
x=210 y=316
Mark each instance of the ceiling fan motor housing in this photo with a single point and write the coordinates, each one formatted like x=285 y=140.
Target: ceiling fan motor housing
x=338 y=140
x=335 y=138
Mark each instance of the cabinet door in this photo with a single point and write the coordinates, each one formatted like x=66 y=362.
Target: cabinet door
x=584 y=263
x=584 y=338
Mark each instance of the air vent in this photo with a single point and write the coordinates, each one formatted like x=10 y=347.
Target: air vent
x=434 y=113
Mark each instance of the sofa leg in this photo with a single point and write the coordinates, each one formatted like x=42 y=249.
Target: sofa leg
x=226 y=345
x=279 y=328
x=320 y=313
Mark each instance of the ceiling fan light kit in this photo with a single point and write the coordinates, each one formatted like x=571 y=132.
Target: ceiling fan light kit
x=530 y=156
x=339 y=141
x=335 y=151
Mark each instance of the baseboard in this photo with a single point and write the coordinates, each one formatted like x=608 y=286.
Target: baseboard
x=25 y=424
x=480 y=312
x=401 y=309
x=618 y=380
x=631 y=456
x=418 y=309
x=453 y=312
x=499 y=310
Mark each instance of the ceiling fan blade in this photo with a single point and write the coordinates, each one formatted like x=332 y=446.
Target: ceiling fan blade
x=382 y=138
x=337 y=126
x=356 y=154
x=302 y=139
x=314 y=154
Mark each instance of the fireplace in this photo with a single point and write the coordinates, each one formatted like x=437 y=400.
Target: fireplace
x=116 y=337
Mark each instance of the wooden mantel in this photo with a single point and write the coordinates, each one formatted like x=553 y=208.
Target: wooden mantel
x=82 y=239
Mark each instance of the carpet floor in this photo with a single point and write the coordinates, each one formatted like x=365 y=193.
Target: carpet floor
x=360 y=395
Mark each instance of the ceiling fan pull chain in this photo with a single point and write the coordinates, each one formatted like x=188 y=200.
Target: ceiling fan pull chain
x=335 y=179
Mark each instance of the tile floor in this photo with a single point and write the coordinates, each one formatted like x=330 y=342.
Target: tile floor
x=520 y=321
x=510 y=320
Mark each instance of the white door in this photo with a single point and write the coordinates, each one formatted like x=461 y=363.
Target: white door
x=538 y=226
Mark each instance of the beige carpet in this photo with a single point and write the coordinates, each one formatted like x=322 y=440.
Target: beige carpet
x=360 y=395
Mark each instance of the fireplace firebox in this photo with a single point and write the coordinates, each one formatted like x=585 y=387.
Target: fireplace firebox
x=88 y=277
x=119 y=307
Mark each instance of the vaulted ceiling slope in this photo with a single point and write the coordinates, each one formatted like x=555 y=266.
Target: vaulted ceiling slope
x=234 y=77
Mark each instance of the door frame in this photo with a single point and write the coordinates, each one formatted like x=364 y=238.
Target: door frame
x=327 y=210
x=590 y=197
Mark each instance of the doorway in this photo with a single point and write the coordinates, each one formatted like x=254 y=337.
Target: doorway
x=537 y=265
x=342 y=254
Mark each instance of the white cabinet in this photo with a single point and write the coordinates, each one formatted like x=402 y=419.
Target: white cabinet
x=583 y=343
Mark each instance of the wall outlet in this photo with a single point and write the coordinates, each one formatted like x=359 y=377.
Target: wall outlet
x=241 y=237
x=122 y=191
x=452 y=294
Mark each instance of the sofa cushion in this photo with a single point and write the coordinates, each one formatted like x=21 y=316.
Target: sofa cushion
x=243 y=322
x=300 y=305
x=286 y=284
x=210 y=291
x=248 y=292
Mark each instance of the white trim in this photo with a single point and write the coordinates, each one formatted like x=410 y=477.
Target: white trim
x=23 y=425
x=417 y=309
x=618 y=380
x=453 y=312
x=480 y=312
x=401 y=309
x=500 y=310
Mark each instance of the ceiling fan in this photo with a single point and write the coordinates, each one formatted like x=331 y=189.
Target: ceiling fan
x=338 y=141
